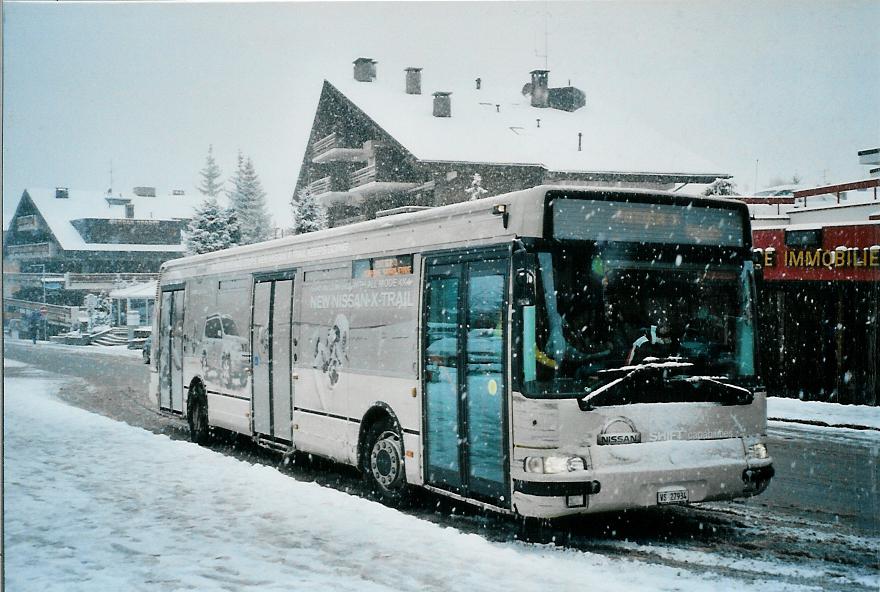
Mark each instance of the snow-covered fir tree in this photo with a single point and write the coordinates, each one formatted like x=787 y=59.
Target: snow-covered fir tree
x=248 y=200
x=476 y=190
x=308 y=214
x=209 y=186
x=212 y=228
x=721 y=187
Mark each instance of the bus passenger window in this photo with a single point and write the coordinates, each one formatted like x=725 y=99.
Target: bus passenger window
x=360 y=268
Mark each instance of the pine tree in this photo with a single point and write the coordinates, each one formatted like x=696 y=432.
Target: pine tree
x=212 y=228
x=308 y=214
x=209 y=186
x=248 y=200
x=721 y=187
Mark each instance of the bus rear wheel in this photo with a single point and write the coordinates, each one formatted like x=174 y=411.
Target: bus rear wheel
x=197 y=416
x=383 y=463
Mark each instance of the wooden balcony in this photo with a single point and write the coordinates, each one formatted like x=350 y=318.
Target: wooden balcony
x=363 y=176
x=368 y=182
x=31 y=251
x=331 y=149
x=320 y=186
x=331 y=189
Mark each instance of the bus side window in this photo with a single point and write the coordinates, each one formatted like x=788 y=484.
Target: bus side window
x=360 y=268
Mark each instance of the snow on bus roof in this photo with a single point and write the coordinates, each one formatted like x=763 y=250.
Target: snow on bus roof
x=437 y=213
x=80 y=204
x=487 y=126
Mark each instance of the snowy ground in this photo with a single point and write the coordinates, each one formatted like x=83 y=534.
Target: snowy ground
x=108 y=350
x=830 y=414
x=94 y=504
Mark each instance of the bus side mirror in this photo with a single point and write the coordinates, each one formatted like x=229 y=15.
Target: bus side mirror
x=525 y=278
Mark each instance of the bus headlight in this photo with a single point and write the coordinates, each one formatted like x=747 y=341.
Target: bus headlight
x=553 y=464
x=758 y=451
x=533 y=464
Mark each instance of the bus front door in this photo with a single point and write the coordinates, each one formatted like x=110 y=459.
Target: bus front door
x=464 y=369
x=171 y=351
x=272 y=348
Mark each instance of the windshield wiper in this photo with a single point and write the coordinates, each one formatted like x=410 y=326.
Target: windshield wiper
x=729 y=394
x=661 y=381
x=648 y=371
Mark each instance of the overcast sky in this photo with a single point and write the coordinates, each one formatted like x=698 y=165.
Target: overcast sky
x=794 y=85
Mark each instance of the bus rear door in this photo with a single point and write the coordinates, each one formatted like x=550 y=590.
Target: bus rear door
x=171 y=349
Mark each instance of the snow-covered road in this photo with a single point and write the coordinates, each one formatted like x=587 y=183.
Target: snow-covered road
x=95 y=504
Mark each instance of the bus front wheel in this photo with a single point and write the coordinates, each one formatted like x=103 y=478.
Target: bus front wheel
x=197 y=416
x=383 y=462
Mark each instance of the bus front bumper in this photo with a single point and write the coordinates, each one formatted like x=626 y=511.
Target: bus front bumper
x=617 y=489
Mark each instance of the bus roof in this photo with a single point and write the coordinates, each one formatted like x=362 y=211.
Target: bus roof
x=455 y=224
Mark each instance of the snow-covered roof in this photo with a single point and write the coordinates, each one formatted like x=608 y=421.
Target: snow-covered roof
x=499 y=126
x=780 y=190
x=824 y=205
x=144 y=290
x=58 y=214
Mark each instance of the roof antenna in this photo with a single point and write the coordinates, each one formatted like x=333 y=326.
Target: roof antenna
x=110 y=189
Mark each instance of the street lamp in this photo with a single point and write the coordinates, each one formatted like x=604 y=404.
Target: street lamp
x=42 y=267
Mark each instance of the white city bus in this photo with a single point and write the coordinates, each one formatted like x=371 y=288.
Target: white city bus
x=547 y=352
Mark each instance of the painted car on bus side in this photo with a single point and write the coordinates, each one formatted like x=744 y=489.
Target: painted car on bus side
x=225 y=353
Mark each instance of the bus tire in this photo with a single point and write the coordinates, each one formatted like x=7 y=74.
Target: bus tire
x=197 y=415
x=384 y=463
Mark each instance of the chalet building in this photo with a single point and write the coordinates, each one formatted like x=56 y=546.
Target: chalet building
x=87 y=234
x=379 y=145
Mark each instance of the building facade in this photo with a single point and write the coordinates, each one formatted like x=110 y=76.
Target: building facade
x=379 y=145
x=60 y=244
x=820 y=298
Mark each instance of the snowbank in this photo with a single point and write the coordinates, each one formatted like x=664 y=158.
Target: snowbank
x=831 y=414
x=109 y=350
x=13 y=364
x=93 y=504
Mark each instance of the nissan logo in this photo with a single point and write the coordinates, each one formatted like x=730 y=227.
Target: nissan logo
x=619 y=430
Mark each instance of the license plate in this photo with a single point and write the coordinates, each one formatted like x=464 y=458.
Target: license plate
x=672 y=496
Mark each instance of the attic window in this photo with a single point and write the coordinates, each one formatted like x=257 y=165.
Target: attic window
x=129 y=210
x=26 y=223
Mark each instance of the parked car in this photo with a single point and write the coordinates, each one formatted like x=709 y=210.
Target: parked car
x=148 y=345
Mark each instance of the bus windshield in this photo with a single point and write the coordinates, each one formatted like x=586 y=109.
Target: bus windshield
x=605 y=318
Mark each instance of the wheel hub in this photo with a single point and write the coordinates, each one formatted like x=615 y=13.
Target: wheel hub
x=385 y=461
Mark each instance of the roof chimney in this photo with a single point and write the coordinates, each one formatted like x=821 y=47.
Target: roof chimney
x=413 y=81
x=540 y=93
x=61 y=193
x=364 y=70
x=479 y=82
x=442 y=104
